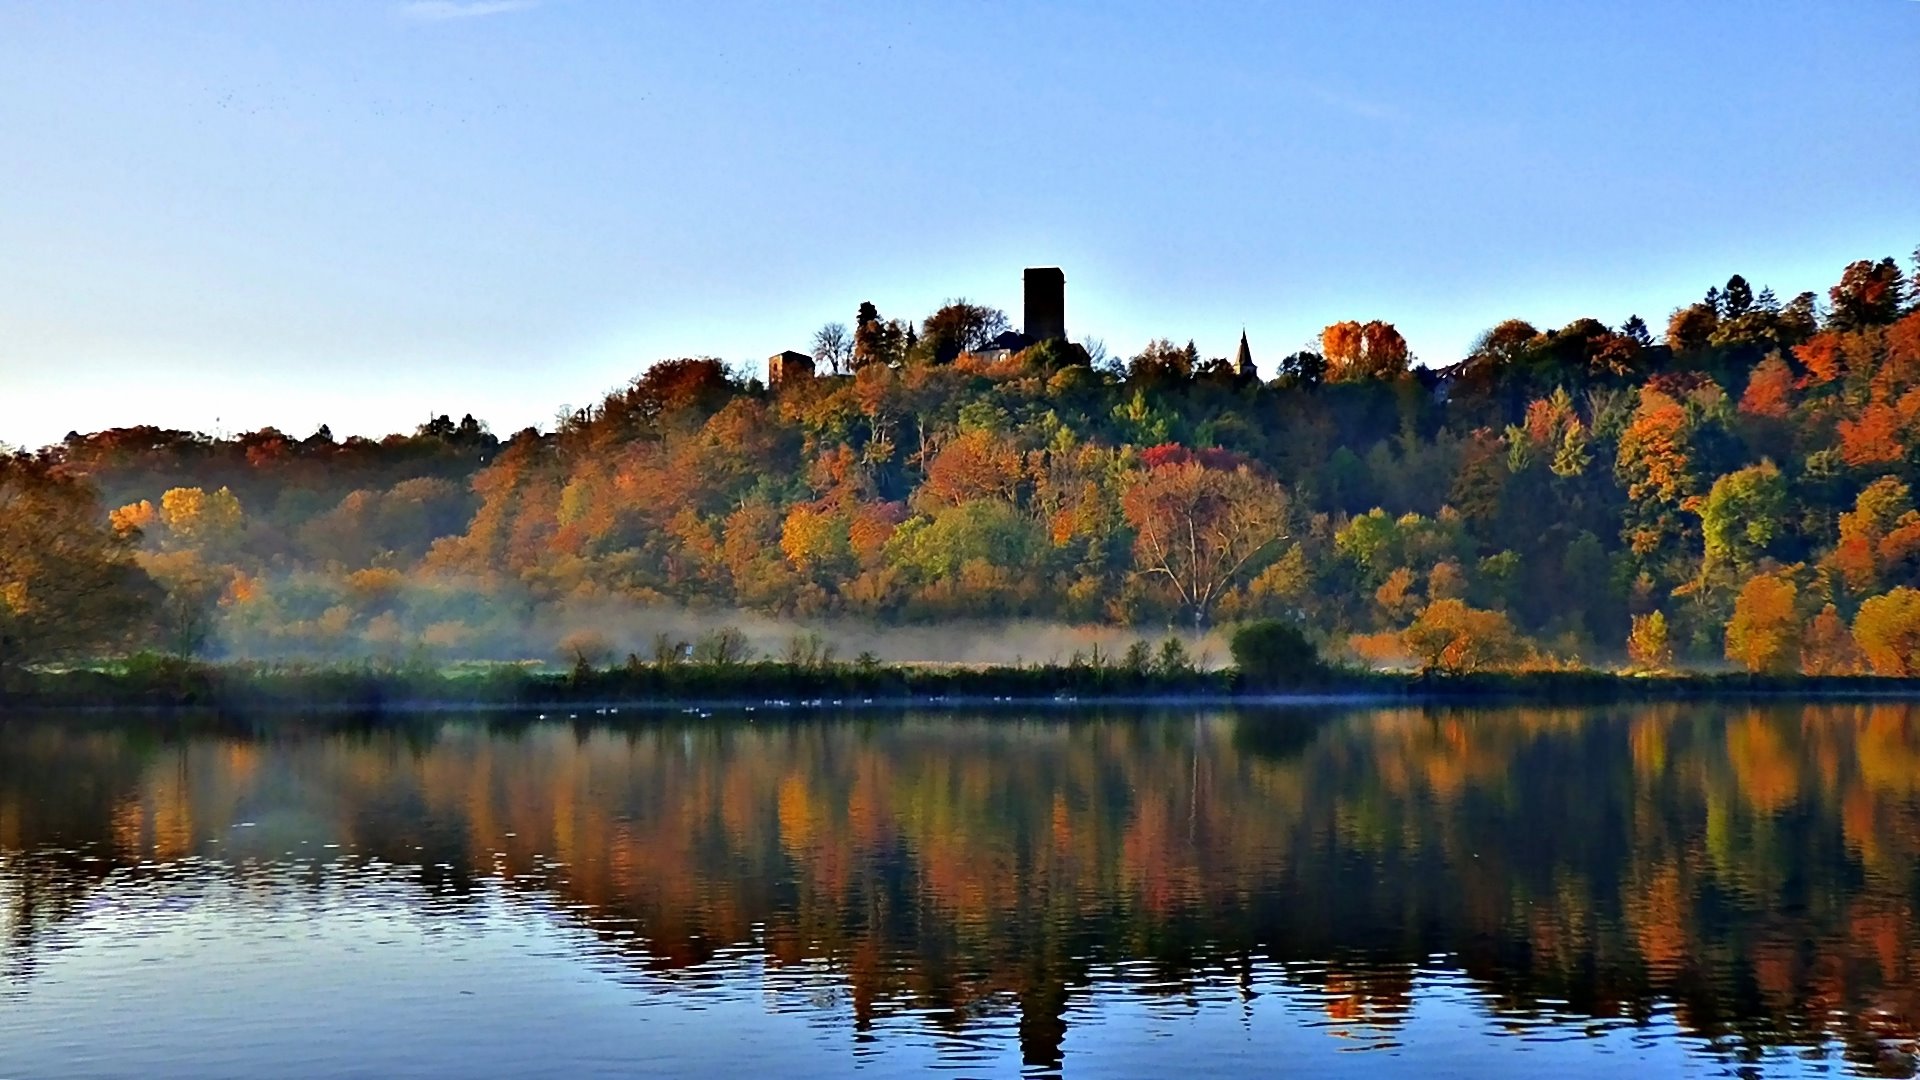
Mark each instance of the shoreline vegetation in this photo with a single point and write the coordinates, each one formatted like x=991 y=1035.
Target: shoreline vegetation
x=168 y=685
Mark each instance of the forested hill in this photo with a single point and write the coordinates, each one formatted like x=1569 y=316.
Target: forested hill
x=1739 y=487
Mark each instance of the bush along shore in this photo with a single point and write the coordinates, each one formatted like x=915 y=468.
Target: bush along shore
x=1273 y=662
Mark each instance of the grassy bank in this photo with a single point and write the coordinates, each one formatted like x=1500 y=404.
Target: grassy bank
x=161 y=683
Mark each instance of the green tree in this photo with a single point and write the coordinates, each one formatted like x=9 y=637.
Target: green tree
x=1273 y=652
x=1742 y=516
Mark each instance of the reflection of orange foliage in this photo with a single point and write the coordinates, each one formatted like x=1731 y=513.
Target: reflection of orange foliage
x=796 y=817
x=1767 y=771
x=1659 y=919
x=941 y=864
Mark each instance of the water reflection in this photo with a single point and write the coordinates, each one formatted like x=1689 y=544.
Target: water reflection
x=1732 y=881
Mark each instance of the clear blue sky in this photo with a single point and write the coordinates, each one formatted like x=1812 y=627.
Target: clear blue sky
x=365 y=211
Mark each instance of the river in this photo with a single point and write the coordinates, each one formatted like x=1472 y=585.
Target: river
x=1679 y=890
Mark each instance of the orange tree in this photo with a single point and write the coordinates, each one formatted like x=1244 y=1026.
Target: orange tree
x=1199 y=528
x=1450 y=636
x=1764 y=633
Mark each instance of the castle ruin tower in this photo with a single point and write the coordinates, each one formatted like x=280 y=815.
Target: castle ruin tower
x=789 y=366
x=1046 y=295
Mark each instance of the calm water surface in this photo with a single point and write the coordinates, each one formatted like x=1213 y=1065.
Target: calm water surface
x=1692 y=891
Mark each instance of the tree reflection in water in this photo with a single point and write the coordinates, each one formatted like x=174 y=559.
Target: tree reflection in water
x=1753 y=870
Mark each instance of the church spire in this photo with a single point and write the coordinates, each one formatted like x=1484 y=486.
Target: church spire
x=1243 y=359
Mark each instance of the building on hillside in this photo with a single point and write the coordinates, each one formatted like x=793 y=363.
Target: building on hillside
x=1002 y=347
x=788 y=366
x=1045 y=297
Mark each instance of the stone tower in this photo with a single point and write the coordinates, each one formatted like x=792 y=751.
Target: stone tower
x=1046 y=296
x=788 y=366
x=1243 y=359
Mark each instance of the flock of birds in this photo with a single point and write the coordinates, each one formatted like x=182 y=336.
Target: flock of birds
x=705 y=713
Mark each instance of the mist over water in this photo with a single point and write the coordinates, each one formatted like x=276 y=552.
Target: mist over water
x=451 y=618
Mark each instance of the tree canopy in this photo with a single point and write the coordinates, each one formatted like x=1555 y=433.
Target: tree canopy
x=1729 y=493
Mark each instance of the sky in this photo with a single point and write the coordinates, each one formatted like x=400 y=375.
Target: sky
x=221 y=216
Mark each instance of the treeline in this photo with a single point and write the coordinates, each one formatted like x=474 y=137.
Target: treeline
x=1736 y=490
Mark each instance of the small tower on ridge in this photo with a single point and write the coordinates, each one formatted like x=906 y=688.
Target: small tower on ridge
x=1243 y=359
x=1046 y=297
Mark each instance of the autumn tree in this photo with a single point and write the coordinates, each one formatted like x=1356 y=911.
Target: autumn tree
x=1826 y=646
x=1648 y=645
x=69 y=588
x=1655 y=463
x=1881 y=532
x=1691 y=328
x=1162 y=362
x=1200 y=529
x=691 y=388
x=1887 y=630
x=1868 y=294
x=1273 y=652
x=1769 y=390
x=878 y=341
x=1453 y=637
x=1764 y=633
x=1506 y=343
x=196 y=518
x=1357 y=351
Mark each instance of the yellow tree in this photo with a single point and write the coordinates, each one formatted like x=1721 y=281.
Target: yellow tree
x=1887 y=629
x=198 y=519
x=1648 y=644
x=1764 y=633
x=817 y=541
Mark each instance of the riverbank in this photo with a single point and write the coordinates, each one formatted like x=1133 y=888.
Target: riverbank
x=166 y=684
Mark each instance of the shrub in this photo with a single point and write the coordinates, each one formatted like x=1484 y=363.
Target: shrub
x=724 y=647
x=1273 y=652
